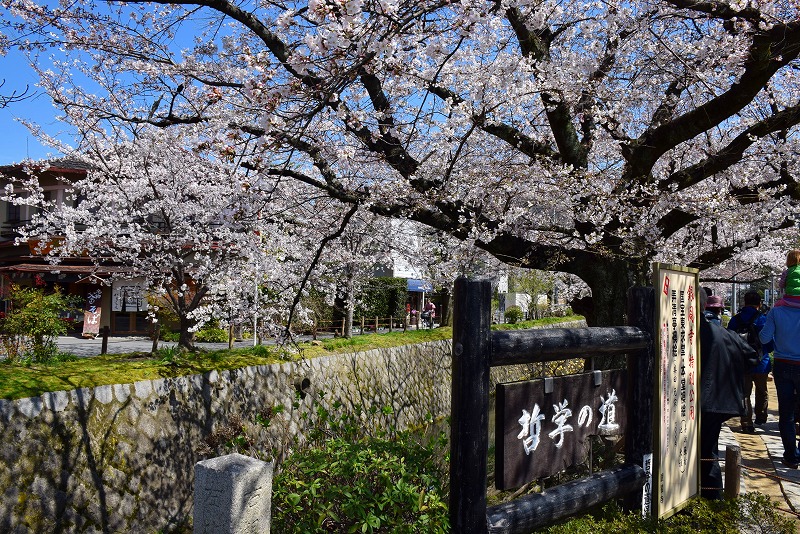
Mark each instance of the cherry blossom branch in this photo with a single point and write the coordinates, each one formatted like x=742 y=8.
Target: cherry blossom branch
x=717 y=256
x=720 y=10
x=731 y=153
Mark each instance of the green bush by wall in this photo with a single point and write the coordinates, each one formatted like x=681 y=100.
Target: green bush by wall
x=383 y=297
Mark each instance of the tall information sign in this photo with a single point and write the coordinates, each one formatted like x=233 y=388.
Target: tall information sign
x=676 y=459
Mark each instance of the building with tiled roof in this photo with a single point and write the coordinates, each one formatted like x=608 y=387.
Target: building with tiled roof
x=120 y=305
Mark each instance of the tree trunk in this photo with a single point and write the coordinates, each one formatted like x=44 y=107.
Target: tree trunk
x=609 y=280
x=349 y=304
x=339 y=310
x=446 y=308
x=186 y=339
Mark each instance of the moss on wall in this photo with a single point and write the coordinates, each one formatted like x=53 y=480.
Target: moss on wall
x=121 y=458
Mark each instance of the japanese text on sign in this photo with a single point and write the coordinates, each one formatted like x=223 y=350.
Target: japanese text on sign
x=542 y=430
x=532 y=422
x=676 y=479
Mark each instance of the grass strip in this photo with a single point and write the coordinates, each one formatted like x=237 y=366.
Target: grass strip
x=19 y=380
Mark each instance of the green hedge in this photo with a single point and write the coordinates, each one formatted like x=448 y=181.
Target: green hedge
x=383 y=297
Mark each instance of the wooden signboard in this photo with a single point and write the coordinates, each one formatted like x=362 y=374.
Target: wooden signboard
x=128 y=295
x=91 y=312
x=544 y=425
x=676 y=425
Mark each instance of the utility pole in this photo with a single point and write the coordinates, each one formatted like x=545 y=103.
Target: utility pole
x=255 y=310
x=734 y=307
x=255 y=283
x=772 y=290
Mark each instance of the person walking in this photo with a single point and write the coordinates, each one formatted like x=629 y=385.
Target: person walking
x=429 y=312
x=782 y=327
x=723 y=357
x=713 y=309
x=748 y=322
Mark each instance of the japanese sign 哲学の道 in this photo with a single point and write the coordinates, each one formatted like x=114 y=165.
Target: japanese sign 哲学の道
x=544 y=425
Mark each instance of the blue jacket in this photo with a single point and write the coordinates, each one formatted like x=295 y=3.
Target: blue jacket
x=742 y=318
x=783 y=328
x=712 y=317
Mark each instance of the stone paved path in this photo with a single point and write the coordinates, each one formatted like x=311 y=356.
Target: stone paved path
x=762 y=452
x=121 y=344
x=86 y=347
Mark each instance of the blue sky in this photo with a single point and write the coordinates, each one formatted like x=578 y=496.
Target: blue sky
x=16 y=142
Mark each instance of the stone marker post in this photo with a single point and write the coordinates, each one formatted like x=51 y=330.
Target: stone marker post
x=232 y=495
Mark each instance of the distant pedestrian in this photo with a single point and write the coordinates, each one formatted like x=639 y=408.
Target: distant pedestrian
x=723 y=356
x=713 y=309
x=429 y=313
x=748 y=322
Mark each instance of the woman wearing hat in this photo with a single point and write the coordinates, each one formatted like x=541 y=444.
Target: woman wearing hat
x=714 y=308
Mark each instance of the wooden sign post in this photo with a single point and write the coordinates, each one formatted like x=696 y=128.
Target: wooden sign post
x=544 y=426
x=676 y=412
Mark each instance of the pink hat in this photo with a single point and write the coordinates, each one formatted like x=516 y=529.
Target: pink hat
x=715 y=301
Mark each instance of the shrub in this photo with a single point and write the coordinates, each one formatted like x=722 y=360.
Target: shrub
x=34 y=321
x=383 y=297
x=168 y=355
x=211 y=335
x=750 y=512
x=514 y=314
x=169 y=335
x=369 y=485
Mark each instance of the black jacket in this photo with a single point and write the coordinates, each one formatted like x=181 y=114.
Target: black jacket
x=722 y=362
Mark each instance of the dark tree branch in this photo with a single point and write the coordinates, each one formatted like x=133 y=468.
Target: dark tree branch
x=786 y=185
x=719 y=255
x=510 y=134
x=15 y=96
x=533 y=44
x=769 y=52
x=325 y=240
x=666 y=109
x=536 y=45
x=388 y=145
x=719 y=10
x=732 y=153
x=251 y=22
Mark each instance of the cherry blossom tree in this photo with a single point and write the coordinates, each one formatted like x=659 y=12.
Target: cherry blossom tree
x=572 y=135
x=164 y=213
x=351 y=260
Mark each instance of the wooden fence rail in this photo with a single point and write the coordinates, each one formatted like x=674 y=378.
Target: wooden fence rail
x=541 y=509
x=362 y=326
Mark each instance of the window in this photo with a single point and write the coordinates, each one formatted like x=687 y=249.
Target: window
x=12 y=212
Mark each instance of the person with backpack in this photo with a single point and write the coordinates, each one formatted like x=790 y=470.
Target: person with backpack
x=748 y=322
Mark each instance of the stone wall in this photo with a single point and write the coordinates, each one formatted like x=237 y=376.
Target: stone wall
x=120 y=458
